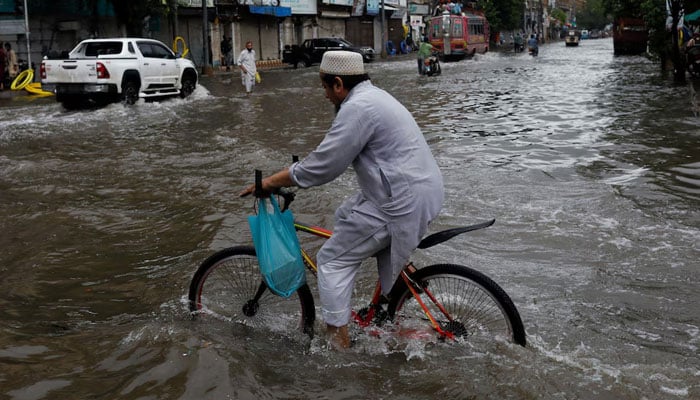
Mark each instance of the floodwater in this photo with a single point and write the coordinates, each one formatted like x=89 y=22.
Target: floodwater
x=590 y=164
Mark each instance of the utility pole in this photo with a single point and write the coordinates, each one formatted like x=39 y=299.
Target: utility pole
x=383 y=28
x=26 y=34
x=206 y=68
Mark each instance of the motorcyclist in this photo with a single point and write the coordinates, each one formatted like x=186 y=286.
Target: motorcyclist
x=518 y=43
x=424 y=51
x=532 y=45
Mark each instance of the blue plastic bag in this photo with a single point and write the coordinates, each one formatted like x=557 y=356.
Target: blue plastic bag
x=277 y=247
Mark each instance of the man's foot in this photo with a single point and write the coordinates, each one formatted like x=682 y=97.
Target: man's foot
x=339 y=337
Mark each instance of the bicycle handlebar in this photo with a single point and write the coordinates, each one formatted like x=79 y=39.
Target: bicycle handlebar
x=286 y=194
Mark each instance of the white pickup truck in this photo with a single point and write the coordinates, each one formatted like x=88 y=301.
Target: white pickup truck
x=121 y=69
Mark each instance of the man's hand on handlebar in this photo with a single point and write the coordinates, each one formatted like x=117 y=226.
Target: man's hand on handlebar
x=271 y=184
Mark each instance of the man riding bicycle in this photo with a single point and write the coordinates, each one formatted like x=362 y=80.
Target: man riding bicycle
x=401 y=188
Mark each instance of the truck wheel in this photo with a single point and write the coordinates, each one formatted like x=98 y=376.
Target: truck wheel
x=188 y=85
x=130 y=92
x=306 y=62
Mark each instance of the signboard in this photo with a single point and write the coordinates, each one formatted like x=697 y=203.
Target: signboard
x=307 y=7
x=194 y=3
x=339 y=2
x=7 y=7
x=418 y=9
x=416 y=20
x=358 y=9
x=372 y=7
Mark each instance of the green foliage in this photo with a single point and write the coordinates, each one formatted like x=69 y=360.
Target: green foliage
x=559 y=15
x=594 y=15
x=131 y=14
x=502 y=14
x=616 y=8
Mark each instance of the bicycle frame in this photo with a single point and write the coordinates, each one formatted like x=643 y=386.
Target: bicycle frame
x=377 y=298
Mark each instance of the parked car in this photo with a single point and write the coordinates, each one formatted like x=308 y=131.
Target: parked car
x=311 y=51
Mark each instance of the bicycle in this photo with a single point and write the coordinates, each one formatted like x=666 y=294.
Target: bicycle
x=453 y=301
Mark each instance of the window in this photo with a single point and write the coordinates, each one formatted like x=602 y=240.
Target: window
x=102 y=48
x=154 y=50
x=457 y=29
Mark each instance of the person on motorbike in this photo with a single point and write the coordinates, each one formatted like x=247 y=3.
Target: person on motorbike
x=424 y=51
x=518 y=43
x=532 y=45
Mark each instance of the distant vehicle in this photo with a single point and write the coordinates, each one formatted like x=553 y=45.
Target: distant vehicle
x=100 y=71
x=572 y=38
x=584 y=34
x=630 y=36
x=458 y=36
x=311 y=51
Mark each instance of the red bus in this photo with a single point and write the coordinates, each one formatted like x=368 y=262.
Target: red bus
x=458 y=36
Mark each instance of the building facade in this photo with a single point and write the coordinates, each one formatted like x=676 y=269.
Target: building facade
x=51 y=27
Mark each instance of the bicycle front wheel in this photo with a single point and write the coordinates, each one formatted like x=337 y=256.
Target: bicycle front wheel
x=463 y=301
x=228 y=286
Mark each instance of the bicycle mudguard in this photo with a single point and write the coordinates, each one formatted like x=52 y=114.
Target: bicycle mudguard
x=448 y=234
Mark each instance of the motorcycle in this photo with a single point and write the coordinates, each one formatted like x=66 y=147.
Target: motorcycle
x=533 y=51
x=432 y=65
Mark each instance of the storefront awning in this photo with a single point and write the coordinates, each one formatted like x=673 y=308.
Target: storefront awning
x=269 y=10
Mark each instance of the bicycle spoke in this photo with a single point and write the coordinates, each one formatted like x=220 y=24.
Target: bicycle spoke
x=226 y=285
x=473 y=304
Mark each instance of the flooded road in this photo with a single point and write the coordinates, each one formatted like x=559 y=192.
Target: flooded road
x=590 y=164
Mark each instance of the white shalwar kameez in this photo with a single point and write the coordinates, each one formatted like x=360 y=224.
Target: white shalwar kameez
x=247 y=59
x=401 y=192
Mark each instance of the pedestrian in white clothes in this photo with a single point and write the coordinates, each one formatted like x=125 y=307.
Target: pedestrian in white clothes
x=400 y=184
x=246 y=62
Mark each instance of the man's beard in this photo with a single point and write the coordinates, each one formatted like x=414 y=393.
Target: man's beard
x=337 y=109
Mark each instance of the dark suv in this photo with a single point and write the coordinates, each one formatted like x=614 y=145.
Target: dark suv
x=311 y=51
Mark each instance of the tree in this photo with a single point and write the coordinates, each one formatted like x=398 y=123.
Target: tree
x=593 y=16
x=131 y=14
x=559 y=15
x=502 y=14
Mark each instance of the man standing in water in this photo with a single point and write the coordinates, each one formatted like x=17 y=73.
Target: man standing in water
x=246 y=61
x=401 y=188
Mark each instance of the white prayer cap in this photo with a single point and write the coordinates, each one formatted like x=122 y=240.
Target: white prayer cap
x=341 y=62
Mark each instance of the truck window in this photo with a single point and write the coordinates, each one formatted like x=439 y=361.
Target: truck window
x=102 y=48
x=160 y=51
x=155 y=50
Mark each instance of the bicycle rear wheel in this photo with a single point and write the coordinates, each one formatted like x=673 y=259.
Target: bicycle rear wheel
x=476 y=305
x=228 y=286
